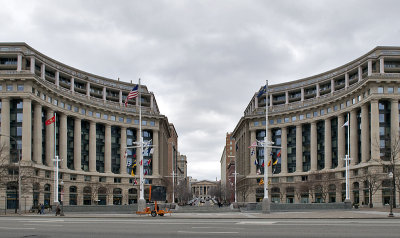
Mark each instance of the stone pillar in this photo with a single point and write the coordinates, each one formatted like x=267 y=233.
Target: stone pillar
x=346 y=80
x=256 y=102
x=122 y=169
x=156 y=163
x=332 y=86
x=120 y=97
x=353 y=137
x=254 y=156
x=43 y=71
x=284 y=168
x=72 y=88
x=341 y=141
x=287 y=97
x=302 y=94
x=317 y=90
x=37 y=134
x=314 y=154
x=88 y=89
x=92 y=147
x=394 y=125
x=328 y=144
x=19 y=62
x=104 y=94
x=365 y=142
x=381 y=65
x=375 y=150
x=77 y=144
x=32 y=66
x=151 y=102
x=359 y=73
x=63 y=140
x=107 y=149
x=5 y=125
x=50 y=140
x=57 y=78
x=27 y=130
x=299 y=148
x=369 y=67
x=270 y=100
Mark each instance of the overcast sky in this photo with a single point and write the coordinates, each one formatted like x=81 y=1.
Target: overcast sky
x=203 y=60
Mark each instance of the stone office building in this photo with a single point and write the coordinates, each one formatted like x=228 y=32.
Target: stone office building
x=306 y=119
x=90 y=135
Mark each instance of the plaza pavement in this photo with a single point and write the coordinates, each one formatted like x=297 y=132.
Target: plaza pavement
x=363 y=213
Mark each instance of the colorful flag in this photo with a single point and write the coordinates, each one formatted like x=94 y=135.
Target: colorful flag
x=145 y=172
x=128 y=163
x=276 y=161
x=141 y=162
x=279 y=154
x=256 y=162
x=132 y=173
x=262 y=91
x=258 y=171
x=135 y=182
x=148 y=162
x=269 y=163
x=51 y=120
x=252 y=152
x=132 y=94
x=261 y=182
x=346 y=124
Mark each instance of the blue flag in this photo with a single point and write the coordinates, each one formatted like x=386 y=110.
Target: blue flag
x=262 y=91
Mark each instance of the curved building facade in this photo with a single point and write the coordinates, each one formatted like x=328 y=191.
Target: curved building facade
x=306 y=119
x=91 y=132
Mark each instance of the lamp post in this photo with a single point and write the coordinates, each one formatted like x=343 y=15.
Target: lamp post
x=391 y=195
x=62 y=198
x=19 y=173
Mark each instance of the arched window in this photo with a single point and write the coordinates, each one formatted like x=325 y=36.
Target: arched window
x=87 y=195
x=73 y=195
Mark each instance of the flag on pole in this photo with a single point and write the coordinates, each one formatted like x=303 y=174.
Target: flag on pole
x=132 y=173
x=262 y=91
x=145 y=172
x=148 y=162
x=132 y=94
x=253 y=151
x=261 y=182
x=279 y=154
x=269 y=163
x=50 y=121
x=141 y=162
x=128 y=163
x=254 y=144
x=256 y=162
x=135 y=182
x=346 y=124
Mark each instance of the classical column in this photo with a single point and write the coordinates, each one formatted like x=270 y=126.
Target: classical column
x=256 y=102
x=375 y=148
x=369 y=67
x=284 y=168
x=254 y=156
x=394 y=125
x=92 y=147
x=122 y=169
x=332 y=86
x=27 y=130
x=346 y=80
x=155 y=162
x=381 y=65
x=77 y=144
x=270 y=100
x=302 y=94
x=314 y=155
x=57 y=79
x=317 y=90
x=88 y=89
x=50 y=140
x=328 y=144
x=19 y=62
x=72 y=88
x=63 y=140
x=5 y=125
x=299 y=148
x=37 y=134
x=365 y=142
x=341 y=141
x=107 y=149
x=43 y=71
x=353 y=137
x=287 y=97
x=120 y=97
x=104 y=94
x=32 y=66
x=359 y=73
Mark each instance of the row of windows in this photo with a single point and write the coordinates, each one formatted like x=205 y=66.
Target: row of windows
x=88 y=112
x=321 y=112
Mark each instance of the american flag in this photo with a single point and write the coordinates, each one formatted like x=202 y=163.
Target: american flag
x=132 y=94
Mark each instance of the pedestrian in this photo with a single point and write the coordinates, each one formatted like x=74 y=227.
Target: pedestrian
x=58 y=210
x=38 y=209
x=42 y=209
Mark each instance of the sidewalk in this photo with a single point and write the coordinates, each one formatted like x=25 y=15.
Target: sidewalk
x=363 y=213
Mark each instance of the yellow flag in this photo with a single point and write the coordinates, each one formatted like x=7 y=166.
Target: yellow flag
x=132 y=173
x=261 y=182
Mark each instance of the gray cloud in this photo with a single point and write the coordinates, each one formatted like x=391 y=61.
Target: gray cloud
x=203 y=59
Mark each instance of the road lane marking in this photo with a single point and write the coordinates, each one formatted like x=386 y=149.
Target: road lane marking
x=256 y=223
x=209 y=232
x=17 y=228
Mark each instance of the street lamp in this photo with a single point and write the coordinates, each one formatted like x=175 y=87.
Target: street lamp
x=391 y=195
x=19 y=173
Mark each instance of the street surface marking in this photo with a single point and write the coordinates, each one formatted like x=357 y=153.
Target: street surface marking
x=256 y=223
x=17 y=228
x=209 y=232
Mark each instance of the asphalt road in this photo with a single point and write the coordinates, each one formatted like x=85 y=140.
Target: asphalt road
x=36 y=227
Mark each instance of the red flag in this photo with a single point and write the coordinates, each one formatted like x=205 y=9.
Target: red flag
x=145 y=172
x=141 y=162
x=50 y=121
x=279 y=154
x=135 y=182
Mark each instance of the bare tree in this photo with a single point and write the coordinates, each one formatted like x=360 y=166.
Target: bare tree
x=373 y=181
x=245 y=187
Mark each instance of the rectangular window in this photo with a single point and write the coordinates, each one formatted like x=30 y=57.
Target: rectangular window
x=83 y=111
x=144 y=123
x=112 y=118
x=308 y=115
x=289 y=179
x=315 y=114
x=105 y=116
x=286 y=119
x=121 y=119
x=68 y=107
x=335 y=108
x=87 y=178
x=302 y=117
x=152 y=123
x=72 y=177
x=55 y=102
x=10 y=88
x=354 y=101
x=136 y=121
x=359 y=98
x=279 y=120
x=117 y=180
x=271 y=122
x=322 y=112
x=256 y=123
x=1 y=87
x=294 y=118
x=76 y=109
x=390 y=89
x=61 y=104
x=128 y=120
x=380 y=89
x=49 y=99
x=98 y=114
x=342 y=106
x=329 y=109
x=90 y=113
x=348 y=103
x=20 y=88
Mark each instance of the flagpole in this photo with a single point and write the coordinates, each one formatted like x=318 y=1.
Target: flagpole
x=266 y=204
x=348 y=157
x=56 y=160
x=141 y=202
